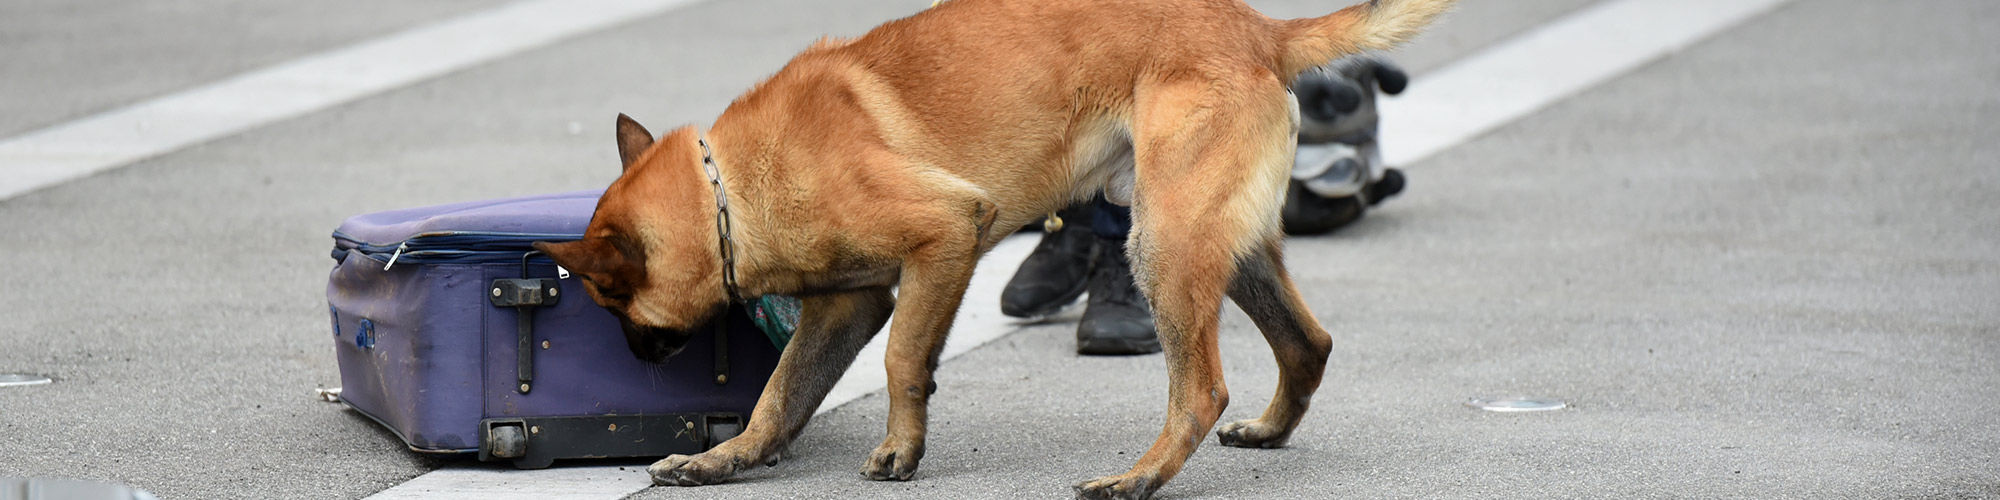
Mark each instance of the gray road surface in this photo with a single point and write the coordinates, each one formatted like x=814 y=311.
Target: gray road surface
x=65 y=59
x=1766 y=266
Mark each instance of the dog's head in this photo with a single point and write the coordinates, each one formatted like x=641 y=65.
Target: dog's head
x=650 y=254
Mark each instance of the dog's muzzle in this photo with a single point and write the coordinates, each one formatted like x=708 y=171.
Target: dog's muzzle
x=651 y=344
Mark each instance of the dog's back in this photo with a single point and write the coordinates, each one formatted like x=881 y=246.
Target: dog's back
x=1049 y=83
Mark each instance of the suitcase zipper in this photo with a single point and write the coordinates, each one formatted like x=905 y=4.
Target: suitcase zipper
x=398 y=255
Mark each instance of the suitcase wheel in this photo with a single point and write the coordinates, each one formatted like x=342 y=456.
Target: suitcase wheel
x=507 y=441
x=722 y=429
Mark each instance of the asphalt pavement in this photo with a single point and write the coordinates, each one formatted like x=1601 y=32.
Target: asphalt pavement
x=65 y=60
x=1767 y=265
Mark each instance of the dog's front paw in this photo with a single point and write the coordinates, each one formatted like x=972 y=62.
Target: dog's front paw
x=893 y=461
x=1251 y=434
x=683 y=470
x=1125 y=487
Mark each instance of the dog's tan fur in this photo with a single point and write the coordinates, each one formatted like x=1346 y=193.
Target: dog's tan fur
x=896 y=159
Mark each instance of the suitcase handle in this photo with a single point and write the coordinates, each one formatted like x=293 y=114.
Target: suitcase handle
x=524 y=295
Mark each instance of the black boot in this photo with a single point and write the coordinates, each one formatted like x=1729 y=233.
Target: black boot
x=1391 y=184
x=1307 y=214
x=1117 y=320
x=1055 y=274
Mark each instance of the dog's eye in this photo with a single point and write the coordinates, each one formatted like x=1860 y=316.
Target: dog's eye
x=611 y=294
x=604 y=288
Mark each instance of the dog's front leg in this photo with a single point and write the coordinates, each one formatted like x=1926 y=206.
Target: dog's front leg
x=832 y=329
x=932 y=284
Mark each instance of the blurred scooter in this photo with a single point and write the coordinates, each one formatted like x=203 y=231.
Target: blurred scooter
x=1338 y=172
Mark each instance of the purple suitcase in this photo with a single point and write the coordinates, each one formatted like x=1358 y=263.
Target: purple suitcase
x=432 y=307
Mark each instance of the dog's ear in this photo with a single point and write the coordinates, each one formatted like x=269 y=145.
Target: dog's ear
x=581 y=256
x=607 y=262
x=632 y=140
x=1390 y=78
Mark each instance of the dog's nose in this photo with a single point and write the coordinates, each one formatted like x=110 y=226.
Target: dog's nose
x=658 y=354
x=657 y=347
x=653 y=345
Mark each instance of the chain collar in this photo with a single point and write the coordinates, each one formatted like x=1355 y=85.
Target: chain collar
x=728 y=245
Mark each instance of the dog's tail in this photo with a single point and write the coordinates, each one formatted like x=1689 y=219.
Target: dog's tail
x=1376 y=25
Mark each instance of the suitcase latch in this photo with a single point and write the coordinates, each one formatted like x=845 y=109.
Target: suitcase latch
x=525 y=292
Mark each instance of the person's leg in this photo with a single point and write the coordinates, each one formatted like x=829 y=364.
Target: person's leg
x=1055 y=274
x=1117 y=320
x=1109 y=220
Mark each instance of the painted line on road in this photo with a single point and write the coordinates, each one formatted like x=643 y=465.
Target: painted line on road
x=1524 y=74
x=1454 y=104
x=246 y=101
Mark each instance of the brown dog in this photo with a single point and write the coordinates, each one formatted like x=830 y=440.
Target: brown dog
x=896 y=159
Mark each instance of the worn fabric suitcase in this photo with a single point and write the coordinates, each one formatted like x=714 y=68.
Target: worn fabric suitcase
x=453 y=333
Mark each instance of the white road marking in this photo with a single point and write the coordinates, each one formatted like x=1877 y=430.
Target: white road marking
x=1509 y=80
x=500 y=483
x=149 y=128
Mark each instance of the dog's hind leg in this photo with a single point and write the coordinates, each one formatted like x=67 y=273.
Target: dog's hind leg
x=832 y=329
x=1212 y=155
x=1264 y=290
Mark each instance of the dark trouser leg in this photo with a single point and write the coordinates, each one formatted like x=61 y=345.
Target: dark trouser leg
x=1117 y=320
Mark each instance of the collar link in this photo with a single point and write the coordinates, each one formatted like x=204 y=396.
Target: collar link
x=726 y=243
